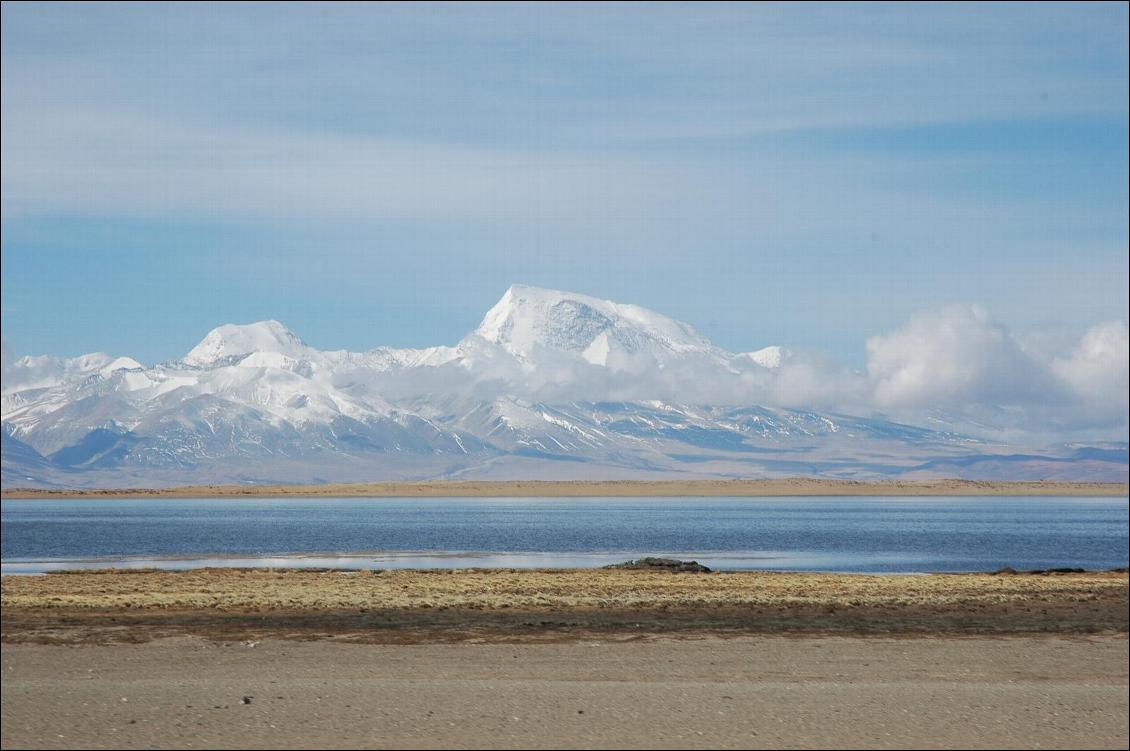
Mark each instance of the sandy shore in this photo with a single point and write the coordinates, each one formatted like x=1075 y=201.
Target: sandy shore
x=742 y=692
x=512 y=605
x=258 y=658
x=610 y=488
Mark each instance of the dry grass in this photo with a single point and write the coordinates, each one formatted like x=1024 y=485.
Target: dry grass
x=265 y=589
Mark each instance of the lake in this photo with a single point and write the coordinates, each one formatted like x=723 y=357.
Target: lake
x=884 y=535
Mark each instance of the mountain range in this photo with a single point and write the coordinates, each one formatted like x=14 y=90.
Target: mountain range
x=550 y=385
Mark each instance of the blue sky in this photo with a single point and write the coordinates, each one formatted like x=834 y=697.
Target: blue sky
x=802 y=175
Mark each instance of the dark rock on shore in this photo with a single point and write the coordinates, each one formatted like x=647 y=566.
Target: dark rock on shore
x=662 y=564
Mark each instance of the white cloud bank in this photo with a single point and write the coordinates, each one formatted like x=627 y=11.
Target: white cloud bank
x=1096 y=370
x=954 y=365
x=957 y=359
x=952 y=356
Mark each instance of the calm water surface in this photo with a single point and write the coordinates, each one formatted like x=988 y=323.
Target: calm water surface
x=828 y=534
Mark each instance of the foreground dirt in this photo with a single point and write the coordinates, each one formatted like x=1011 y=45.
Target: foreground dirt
x=544 y=605
x=610 y=488
x=743 y=692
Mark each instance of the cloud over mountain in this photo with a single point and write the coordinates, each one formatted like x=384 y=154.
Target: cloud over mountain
x=1096 y=371
x=958 y=359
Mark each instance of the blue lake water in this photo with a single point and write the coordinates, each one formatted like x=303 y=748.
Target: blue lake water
x=825 y=534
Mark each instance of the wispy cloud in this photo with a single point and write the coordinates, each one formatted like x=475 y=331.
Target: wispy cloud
x=786 y=172
x=84 y=161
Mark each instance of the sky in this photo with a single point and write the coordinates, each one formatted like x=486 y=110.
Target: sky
x=820 y=177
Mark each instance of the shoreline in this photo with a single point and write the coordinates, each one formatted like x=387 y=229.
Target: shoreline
x=446 y=561
x=786 y=487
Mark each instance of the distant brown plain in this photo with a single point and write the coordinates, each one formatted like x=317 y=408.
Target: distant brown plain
x=600 y=488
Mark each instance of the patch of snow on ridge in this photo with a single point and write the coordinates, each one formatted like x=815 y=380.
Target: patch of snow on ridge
x=45 y=371
x=769 y=357
x=388 y=358
x=121 y=363
x=268 y=360
x=597 y=352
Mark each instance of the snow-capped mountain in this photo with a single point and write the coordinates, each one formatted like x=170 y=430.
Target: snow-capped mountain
x=550 y=384
x=528 y=322
x=269 y=338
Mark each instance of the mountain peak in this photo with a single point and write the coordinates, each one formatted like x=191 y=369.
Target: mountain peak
x=529 y=318
x=235 y=339
x=769 y=357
